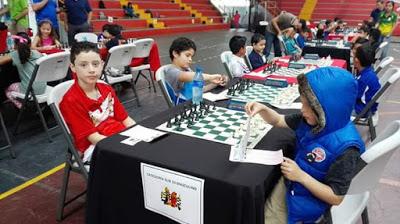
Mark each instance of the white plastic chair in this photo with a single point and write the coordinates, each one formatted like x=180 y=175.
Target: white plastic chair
x=73 y=162
x=365 y=117
x=86 y=36
x=283 y=45
x=383 y=64
x=48 y=68
x=379 y=51
x=226 y=58
x=249 y=49
x=120 y=56
x=376 y=157
x=142 y=50
x=160 y=77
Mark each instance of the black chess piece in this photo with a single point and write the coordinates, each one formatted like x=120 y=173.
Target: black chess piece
x=179 y=127
x=214 y=106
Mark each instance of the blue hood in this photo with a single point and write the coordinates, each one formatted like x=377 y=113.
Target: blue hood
x=331 y=93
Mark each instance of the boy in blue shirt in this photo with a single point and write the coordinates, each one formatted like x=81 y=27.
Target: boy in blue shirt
x=368 y=82
x=256 y=57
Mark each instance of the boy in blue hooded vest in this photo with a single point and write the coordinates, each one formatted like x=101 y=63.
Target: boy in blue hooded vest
x=328 y=148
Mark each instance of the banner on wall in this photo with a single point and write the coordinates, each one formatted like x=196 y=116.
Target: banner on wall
x=175 y=195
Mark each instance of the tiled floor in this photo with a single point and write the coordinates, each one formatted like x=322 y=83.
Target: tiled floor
x=35 y=155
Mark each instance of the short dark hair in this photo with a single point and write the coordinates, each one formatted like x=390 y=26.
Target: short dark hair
x=236 y=43
x=374 y=35
x=365 y=55
x=79 y=47
x=257 y=38
x=181 y=44
x=327 y=22
x=114 y=29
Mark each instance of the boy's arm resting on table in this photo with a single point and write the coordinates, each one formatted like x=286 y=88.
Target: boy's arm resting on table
x=95 y=138
x=188 y=77
x=128 y=122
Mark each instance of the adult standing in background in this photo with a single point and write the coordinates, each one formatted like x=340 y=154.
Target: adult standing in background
x=380 y=6
x=18 y=10
x=46 y=9
x=79 y=16
x=386 y=24
x=281 y=22
x=236 y=19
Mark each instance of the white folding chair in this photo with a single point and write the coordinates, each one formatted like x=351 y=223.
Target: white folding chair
x=376 y=157
x=48 y=68
x=120 y=56
x=226 y=58
x=86 y=36
x=249 y=49
x=142 y=50
x=383 y=64
x=379 y=51
x=160 y=77
x=7 y=138
x=73 y=161
x=365 y=117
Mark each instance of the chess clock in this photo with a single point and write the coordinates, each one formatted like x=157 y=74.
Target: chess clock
x=236 y=105
x=311 y=56
x=276 y=82
x=296 y=65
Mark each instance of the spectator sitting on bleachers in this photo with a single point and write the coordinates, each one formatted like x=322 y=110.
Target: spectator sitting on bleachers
x=129 y=11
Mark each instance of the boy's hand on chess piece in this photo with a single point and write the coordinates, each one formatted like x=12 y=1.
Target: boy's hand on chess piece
x=291 y=170
x=253 y=108
x=216 y=79
x=224 y=80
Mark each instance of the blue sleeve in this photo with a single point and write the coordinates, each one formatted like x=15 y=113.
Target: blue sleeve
x=87 y=6
x=373 y=88
x=361 y=88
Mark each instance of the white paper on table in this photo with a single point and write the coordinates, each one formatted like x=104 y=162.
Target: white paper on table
x=296 y=105
x=142 y=133
x=216 y=96
x=130 y=141
x=263 y=157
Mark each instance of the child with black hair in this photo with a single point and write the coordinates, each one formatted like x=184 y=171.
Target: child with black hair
x=374 y=38
x=91 y=109
x=112 y=35
x=368 y=82
x=129 y=11
x=25 y=60
x=237 y=65
x=46 y=37
x=256 y=57
x=178 y=75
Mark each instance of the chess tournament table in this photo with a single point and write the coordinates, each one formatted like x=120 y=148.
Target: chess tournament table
x=334 y=52
x=233 y=192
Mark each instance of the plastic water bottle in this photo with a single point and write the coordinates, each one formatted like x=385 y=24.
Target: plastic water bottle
x=10 y=42
x=198 y=83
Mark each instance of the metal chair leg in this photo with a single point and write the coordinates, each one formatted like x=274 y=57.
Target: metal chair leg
x=152 y=81
x=44 y=124
x=136 y=95
x=364 y=216
x=19 y=117
x=7 y=137
x=371 y=127
x=63 y=194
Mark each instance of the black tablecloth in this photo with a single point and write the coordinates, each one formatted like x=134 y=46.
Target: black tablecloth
x=334 y=52
x=233 y=192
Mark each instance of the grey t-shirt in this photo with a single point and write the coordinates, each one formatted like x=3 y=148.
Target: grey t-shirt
x=171 y=75
x=284 y=21
x=25 y=71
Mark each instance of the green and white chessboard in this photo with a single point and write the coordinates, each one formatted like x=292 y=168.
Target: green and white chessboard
x=220 y=125
x=289 y=72
x=268 y=94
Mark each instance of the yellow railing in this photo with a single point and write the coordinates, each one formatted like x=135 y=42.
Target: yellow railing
x=308 y=9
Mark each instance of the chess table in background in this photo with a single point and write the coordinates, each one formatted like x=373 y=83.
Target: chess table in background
x=268 y=94
x=220 y=125
x=324 y=62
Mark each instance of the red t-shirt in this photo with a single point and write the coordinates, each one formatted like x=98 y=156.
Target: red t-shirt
x=85 y=116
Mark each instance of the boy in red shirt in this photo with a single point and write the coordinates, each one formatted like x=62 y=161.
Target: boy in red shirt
x=91 y=110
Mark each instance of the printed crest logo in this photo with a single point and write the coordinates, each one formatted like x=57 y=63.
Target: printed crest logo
x=171 y=199
x=319 y=154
